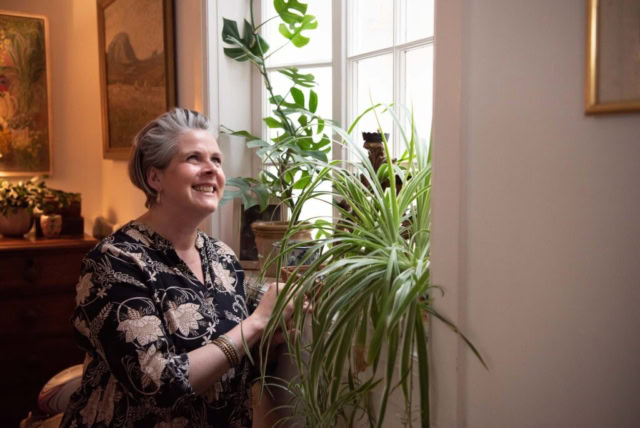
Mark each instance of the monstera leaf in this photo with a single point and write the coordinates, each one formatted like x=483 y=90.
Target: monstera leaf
x=249 y=46
x=291 y=11
x=294 y=31
x=304 y=80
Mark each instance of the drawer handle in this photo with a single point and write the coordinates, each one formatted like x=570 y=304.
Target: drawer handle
x=31 y=272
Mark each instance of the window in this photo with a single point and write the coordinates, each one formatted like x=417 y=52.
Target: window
x=383 y=53
x=389 y=60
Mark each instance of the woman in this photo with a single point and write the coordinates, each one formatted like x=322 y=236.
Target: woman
x=161 y=309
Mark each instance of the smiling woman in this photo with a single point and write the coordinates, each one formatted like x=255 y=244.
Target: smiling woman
x=161 y=309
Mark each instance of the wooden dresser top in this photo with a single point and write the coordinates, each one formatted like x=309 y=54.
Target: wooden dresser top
x=30 y=243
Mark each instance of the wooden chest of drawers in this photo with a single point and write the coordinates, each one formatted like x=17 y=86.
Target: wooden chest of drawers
x=37 y=298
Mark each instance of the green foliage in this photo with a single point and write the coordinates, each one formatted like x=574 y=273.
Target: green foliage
x=370 y=289
x=33 y=194
x=23 y=194
x=300 y=132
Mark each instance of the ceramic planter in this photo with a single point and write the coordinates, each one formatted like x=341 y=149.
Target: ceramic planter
x=51 y=225
x=269 y=232
x=16 y=224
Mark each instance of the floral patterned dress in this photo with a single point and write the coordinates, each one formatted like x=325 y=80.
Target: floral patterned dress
x=139 y=311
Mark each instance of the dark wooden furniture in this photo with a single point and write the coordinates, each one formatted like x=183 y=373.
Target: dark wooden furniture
x=37 y=298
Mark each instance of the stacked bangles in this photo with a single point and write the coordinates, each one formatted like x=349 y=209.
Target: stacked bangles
x=228 y=348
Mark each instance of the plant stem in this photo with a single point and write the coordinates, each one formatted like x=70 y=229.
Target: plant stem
x=287 y=192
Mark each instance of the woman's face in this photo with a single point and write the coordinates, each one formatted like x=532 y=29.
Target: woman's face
x=194 y=181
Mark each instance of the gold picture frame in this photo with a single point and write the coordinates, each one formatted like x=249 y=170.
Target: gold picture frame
x=612 y=81
x=26 y=132
x=137 y=68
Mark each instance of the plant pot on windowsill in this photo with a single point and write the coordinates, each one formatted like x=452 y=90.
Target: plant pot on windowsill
x=269 y=232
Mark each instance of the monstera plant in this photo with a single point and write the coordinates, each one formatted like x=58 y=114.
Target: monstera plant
x=370 y=290
x=300 y=132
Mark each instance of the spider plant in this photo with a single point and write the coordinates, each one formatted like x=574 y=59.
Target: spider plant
x=370 y=290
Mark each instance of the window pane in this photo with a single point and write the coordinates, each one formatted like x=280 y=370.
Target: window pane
x=317 y=50
x=416 y=19
x=281 y=84
x=319 y=208
x=419 y=88
x=371 y=25
x=373 y=83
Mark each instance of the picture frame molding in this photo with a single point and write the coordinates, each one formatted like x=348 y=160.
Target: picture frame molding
x=592 y=103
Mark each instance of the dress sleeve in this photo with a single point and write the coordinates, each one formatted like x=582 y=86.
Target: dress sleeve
x=117 y=321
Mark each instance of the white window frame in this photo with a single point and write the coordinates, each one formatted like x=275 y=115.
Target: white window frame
x=398 y=51
x=344 y=69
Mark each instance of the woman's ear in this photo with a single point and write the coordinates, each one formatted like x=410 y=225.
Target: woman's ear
x=154 y=179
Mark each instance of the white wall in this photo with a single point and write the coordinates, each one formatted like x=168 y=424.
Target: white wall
x=535 y=233
x=229 y=105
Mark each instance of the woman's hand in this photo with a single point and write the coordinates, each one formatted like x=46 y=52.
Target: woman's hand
x=265 y=308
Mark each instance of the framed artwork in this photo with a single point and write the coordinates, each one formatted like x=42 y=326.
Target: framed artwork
x=25 y=95
x=137 y=68
x=613 y=61
x=244 y=243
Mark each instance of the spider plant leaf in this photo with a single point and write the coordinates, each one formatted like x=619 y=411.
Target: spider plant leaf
x=423 y=371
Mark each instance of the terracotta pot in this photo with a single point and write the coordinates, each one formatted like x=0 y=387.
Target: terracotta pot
x=51 y=225
x=269 y=232
x=16 y=224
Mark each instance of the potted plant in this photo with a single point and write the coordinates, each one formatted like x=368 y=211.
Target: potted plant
x=300 y=131
x=17 y=202
x=53 y=206
x=371 y=293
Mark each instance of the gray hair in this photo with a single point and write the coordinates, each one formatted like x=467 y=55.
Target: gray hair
x=157 y=143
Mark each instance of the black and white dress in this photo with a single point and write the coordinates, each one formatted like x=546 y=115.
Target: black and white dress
x=139 y=311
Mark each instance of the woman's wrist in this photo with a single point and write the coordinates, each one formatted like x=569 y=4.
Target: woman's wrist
x=257 y=323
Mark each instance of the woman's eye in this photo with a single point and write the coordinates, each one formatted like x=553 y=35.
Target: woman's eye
x=192 y=157
x=217 y=161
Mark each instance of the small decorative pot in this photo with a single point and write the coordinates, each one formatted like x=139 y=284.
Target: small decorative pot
x=51 y=225
x=16 y=224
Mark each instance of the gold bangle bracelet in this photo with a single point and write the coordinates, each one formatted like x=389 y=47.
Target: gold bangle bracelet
x=227 y=349
x=233 y=345
x=232 y=348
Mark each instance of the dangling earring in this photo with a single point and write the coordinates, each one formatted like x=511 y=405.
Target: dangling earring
x=158 y=198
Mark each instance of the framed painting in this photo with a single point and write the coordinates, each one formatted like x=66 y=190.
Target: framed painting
x=25 y=95
x=244 y=243
x=137 y=68
x=612 y=81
